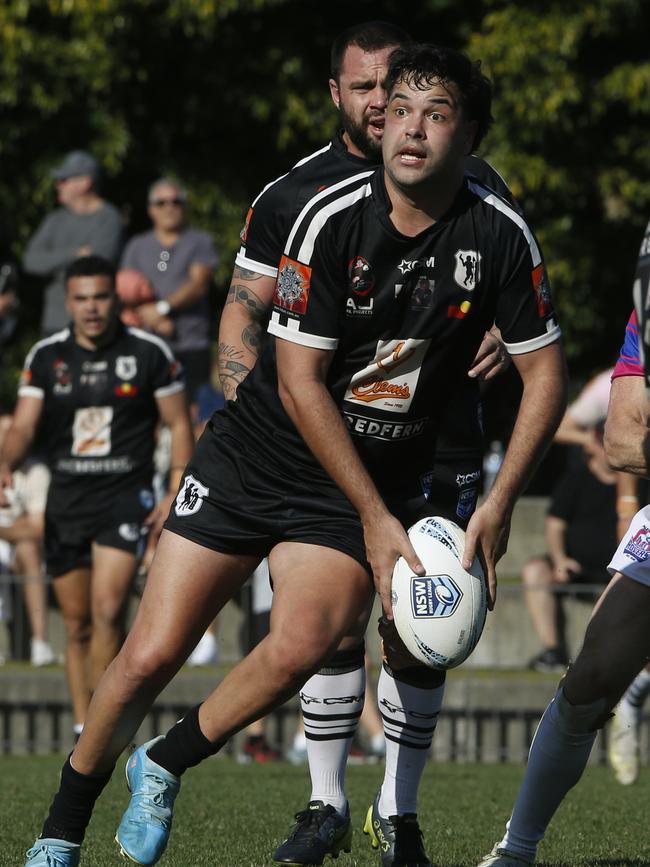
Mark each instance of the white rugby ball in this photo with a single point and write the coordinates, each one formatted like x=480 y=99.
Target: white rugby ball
x=440 y=615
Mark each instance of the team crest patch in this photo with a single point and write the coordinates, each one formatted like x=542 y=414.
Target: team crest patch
x=468 y=269
x=361 y=276
x=190 y=497
x=126 y=366
x=542 y=290
x=638 y=548
x=434 y=596
x=292 y=287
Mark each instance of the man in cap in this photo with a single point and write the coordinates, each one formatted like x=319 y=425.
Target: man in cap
x=84 y=224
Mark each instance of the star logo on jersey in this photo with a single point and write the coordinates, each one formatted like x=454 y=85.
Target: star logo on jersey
x=468 y=269
x=126 y=366
x=542 y=290
x=292 y=286
x=407 y=265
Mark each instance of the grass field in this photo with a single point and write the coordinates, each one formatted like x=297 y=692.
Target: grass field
x=231 y=815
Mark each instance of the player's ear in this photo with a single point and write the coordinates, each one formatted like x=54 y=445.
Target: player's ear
x=334 y=92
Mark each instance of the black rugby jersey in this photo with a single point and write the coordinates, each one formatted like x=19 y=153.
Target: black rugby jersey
x=99 y=411
x=405 y=317
x=278 y=206
x=641 y=293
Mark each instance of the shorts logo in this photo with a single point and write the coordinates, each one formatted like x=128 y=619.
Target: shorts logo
x=638 y=548
x=190 y=497
x=466 y=502
x=147 y=500
x=126 y=366
x=467 y=478
x=468 y=269
x=434 y=596
x=129 y=532
x=292 y=287
x=542 y=290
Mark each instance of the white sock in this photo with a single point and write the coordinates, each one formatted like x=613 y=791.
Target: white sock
x=78 y=728
x=410 y=716
x=557 y=758
x=637 y=692
x=331 y=707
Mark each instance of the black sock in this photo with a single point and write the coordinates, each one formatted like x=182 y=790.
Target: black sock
x=73 y=804
x=183 y=746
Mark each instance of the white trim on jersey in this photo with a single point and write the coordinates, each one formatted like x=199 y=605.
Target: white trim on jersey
x=320 y=218
x=291 y=332
x=297 y=165
x=243 y=261
x=491 y=198
x=534 y=343
x=31 y=391
x=166 y=390
x=153 y=338
x=57 y=337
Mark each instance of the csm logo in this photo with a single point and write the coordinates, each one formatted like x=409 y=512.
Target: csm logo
x=434 y=596
x=407 y=265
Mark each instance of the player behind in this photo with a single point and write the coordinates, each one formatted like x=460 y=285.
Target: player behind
x=96 y=391
x=321 y=508
x=617 y=641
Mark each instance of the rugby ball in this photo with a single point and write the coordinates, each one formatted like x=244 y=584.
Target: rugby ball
x=440 y=615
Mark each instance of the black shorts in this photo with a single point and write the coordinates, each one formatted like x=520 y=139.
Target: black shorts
x=235 y=501
x=197 y=366
x=73 y=523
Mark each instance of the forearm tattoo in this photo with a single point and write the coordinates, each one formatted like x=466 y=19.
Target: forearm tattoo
x=231 y=370
x=240 y=294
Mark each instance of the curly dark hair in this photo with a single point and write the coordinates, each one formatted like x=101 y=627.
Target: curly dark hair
x=422 y=65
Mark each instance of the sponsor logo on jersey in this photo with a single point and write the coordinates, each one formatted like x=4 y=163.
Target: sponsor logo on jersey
x=91 y=431
x=542 y=290
x=126 y=366
x=190 y=497
x=468 y=269
x=63 y=384
x=638 y=547
x=390 y=380
x=244 y=232
x=460 y=311
x=434 y=596
x=466 y=502
x=422 y=294
x=361 y=276
x=359 y=306
x=360 y=425
x=292 y=286
x=129 y=532
x=467 y=478
x=407 y=265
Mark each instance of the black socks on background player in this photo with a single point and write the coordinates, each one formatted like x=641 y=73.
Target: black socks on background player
x=183 y=746
x=73 y=804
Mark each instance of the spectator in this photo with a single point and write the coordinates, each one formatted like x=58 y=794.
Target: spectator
x=581 y=534
x=85 y=224
x=179 y=262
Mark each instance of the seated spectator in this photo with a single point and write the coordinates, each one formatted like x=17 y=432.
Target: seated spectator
x=179 y=261
x=581 y=535
x=84 y=224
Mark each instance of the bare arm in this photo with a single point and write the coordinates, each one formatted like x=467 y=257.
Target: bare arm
x=544 y=378
x=241 y=327
x=627 y=437
x=563 y=565
x=194 y=289
x=18 y=439
x=301 y=384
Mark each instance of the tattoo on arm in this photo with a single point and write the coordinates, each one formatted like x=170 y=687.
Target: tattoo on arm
x=245 y=274
x=252 y=337
x=227 y=350
x=231 y=374
x=240 y=294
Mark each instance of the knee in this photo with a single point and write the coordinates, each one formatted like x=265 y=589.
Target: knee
x=298 y=657
x=77 y=628
x=107 y=611
x=146 y=662
x=589 y=680
x=536 y=572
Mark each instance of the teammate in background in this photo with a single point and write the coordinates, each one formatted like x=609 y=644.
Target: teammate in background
x=359 y=64
x=318 y=507
x=98 y=390
x=617 y=641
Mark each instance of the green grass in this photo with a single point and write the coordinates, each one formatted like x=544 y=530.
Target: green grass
x=229 y=815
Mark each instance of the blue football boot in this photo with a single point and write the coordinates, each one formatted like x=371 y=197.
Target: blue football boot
x=53 y=853
x=144 y=830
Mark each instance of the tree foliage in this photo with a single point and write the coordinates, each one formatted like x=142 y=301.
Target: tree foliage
x=227 y=94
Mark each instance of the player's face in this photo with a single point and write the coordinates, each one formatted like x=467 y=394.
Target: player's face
x=426 y=134
x=90 y=301
x=360 y=96
x=167 y=208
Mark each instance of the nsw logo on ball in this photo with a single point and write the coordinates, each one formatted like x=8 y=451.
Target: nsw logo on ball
x=434 y=596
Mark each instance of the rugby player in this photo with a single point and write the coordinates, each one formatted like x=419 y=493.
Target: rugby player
x=321 y=507
x=617 y=641
x=332 y=700
x=97 y=391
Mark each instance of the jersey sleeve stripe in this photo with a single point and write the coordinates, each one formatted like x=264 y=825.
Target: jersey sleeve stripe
x=166 y=390
x=324 y=208
x=57 y=337
x=535 y=343
x=299 y=163
x=490 y=198
x=31 y=391
x=291 y=333
x=152 y=338
x=243 y=261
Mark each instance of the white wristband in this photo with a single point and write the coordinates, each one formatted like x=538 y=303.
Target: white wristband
x=163 y=307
